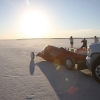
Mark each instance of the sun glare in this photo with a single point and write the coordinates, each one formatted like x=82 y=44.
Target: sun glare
x=35 y=25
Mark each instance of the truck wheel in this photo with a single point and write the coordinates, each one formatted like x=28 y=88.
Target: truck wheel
x=96 y=71
x=32 y=55
x=70 y=63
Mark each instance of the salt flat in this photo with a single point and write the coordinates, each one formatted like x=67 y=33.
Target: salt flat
x=24 y=79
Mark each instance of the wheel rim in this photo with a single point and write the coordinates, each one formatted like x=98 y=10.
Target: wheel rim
x=97 y=71
x=68 y=63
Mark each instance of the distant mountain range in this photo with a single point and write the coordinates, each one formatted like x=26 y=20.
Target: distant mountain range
x=57 y=38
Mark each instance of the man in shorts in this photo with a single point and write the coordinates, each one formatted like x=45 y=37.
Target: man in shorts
x=71 y=41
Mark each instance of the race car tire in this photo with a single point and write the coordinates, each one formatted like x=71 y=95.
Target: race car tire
x=70 y=63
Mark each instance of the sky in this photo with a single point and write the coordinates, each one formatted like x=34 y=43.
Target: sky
x=49 y=18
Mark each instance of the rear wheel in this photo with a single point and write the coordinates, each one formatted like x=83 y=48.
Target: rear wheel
x=96 y=71
x=70 y=63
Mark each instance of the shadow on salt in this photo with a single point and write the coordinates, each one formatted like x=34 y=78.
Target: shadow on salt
x=32 y=67
x=61 y=79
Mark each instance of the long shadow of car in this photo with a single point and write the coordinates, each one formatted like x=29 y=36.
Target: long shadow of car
x=60 y=80
x=68 y=84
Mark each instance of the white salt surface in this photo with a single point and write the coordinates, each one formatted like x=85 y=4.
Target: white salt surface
x=23 y=79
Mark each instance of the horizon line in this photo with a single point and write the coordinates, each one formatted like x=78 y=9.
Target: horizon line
x=48 y=38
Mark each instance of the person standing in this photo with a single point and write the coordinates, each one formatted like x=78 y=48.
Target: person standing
x=84 y=43
x=71 y=41
x=96 y=39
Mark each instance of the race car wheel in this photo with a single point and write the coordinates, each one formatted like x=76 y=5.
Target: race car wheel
x=70 y=63
x=32 y=55
x=96 y=71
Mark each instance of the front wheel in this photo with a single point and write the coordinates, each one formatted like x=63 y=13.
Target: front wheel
x=32 y=55
x=70 y=63
x=96 y=71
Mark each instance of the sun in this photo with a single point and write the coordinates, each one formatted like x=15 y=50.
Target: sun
x=35 y=25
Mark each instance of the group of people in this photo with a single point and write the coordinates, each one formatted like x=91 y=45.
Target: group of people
x=84 y=41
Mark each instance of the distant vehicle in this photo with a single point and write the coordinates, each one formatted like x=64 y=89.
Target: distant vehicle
x=93 y=60
x=61 y=56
